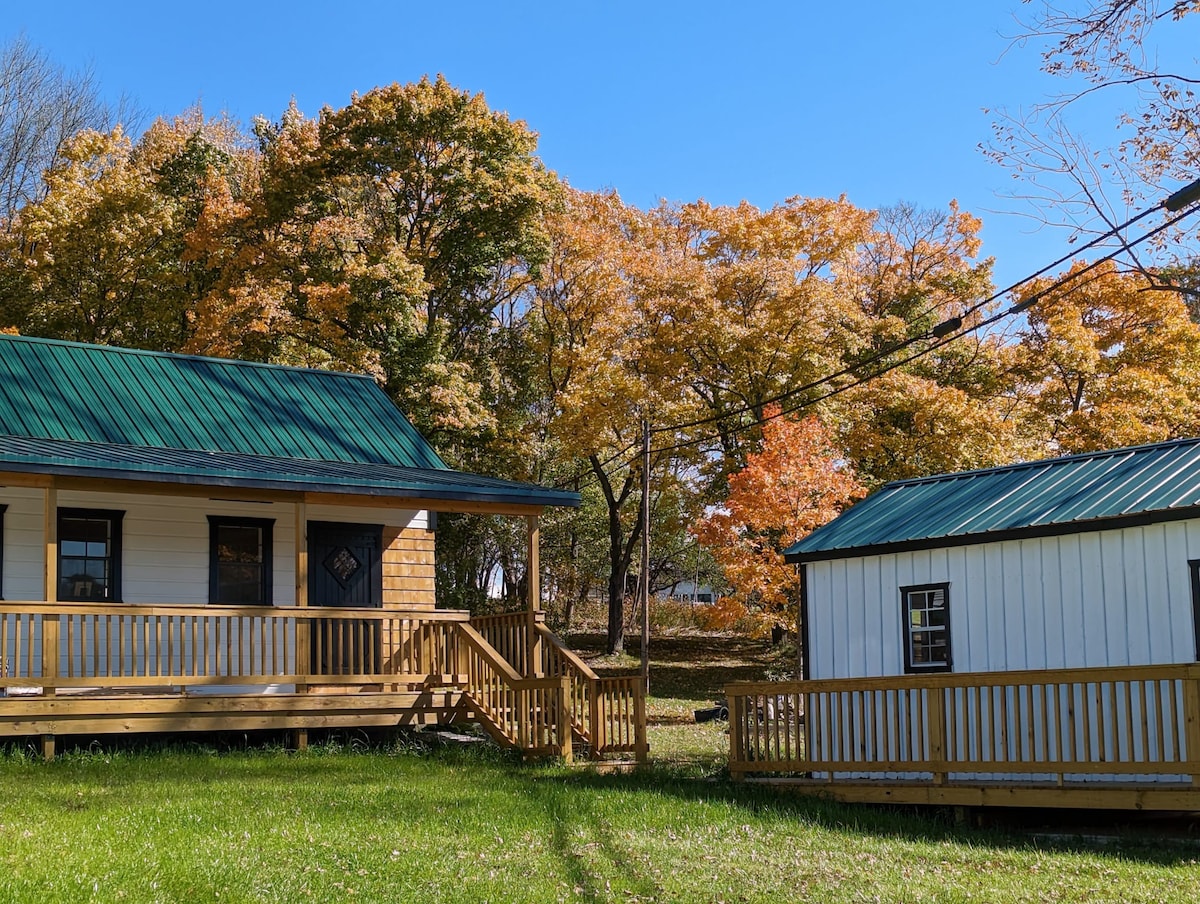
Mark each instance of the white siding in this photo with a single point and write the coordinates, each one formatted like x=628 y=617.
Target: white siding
x=1119 y=597
x=165 y=541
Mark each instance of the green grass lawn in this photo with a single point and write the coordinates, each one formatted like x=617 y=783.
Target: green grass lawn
x=477 y=826
x=401 y=822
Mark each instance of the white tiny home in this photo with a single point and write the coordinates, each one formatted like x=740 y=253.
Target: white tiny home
x=1017 y=625
x=1075 y=562
x=201 y=544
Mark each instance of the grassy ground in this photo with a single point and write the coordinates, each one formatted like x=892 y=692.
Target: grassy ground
x=689 y=671
x=402 y=822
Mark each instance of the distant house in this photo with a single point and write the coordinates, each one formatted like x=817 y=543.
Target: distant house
x=1020 y=636
x=688 y=592
x=229 y=539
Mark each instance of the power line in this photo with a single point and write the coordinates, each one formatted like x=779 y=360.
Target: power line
x=957 y=332
x=952 y=324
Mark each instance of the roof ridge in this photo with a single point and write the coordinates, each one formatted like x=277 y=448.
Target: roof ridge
x=1052 y=461
x=179 y=356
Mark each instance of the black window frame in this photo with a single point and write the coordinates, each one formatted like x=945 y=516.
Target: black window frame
x=266 y=582
x=3 y=509
x=115 y=519
x=921 y=668
x=1194 y=569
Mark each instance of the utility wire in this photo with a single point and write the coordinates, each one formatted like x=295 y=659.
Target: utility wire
x=944 y=338
x=900 y=346
x=948 y=331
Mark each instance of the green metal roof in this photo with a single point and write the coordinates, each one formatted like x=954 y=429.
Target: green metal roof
x=101 y=394
x=99 y=411
x=1141 y=484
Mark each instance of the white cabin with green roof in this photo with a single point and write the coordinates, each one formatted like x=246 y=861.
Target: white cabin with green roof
x=1022 y=635
x=200 y=544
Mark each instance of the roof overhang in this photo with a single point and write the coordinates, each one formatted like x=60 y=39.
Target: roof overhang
x=1141 y=519
x=144 y=469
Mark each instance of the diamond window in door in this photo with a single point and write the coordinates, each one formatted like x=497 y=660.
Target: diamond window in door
x=342 y=564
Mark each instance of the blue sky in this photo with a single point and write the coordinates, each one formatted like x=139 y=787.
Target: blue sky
x=879 y=101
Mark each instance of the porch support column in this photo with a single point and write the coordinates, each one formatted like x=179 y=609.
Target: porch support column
x=50 y=594
x=533 y=573
x=303 y=633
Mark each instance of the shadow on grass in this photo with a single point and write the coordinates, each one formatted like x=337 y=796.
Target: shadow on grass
x=1136 y=838
x=574 y=805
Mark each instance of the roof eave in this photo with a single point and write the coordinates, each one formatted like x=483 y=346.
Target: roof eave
x=438 y=499
x=1115 y=522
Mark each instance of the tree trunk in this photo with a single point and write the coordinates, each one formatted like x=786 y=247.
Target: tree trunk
x=619 y=553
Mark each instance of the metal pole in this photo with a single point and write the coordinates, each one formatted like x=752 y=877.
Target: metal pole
x=645 y=588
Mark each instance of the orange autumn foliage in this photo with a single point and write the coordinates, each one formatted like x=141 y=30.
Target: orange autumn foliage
x=798 y=482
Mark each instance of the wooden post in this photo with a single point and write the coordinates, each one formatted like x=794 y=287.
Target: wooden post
x=936 y=717
x=50 y=622
x=645 y=576
x=736 y=754
x=524 y=716
x=1191 y=713
x=595 y=735
x=640 y=740
x=303 y=627
x=533 y=570
x=562 y=724
x=47 y=747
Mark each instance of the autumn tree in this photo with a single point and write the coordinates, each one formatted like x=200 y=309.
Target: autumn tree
x=106 y=254
x=796 y=483
x=1106 y=361
x=1130 y=61
x=42 y=106
x=600 y=324
x=761 y=311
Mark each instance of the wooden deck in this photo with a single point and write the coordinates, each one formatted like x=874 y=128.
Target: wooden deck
x=1108 y=738
x=80 y=668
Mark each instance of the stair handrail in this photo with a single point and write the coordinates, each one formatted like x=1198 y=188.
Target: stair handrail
x=509 y=701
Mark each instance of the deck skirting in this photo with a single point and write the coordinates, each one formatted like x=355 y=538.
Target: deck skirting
x=85 y=714
x=1172 y=797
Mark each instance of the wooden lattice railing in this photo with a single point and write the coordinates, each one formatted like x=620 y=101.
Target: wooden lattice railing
x=1066 y=724
x=530 y=714
x=48 y=648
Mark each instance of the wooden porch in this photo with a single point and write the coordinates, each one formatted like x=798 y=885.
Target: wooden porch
x=1110 y=738
x=83 y=668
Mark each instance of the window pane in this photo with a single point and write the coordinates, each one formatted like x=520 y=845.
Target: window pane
x=928 y=627
x=236 y=543
x=86 y=558
x=240 y=584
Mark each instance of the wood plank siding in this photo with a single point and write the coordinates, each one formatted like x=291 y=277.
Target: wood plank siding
x=165 y=548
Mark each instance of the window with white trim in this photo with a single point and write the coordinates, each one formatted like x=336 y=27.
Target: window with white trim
x=926 y=613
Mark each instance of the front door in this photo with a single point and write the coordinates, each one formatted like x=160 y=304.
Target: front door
x=345 y=569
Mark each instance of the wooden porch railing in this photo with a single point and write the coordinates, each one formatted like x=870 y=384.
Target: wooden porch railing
x=1067 y=724
x=530 y=714
x=83 y=645
x=71 y=648
x=608 y=715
